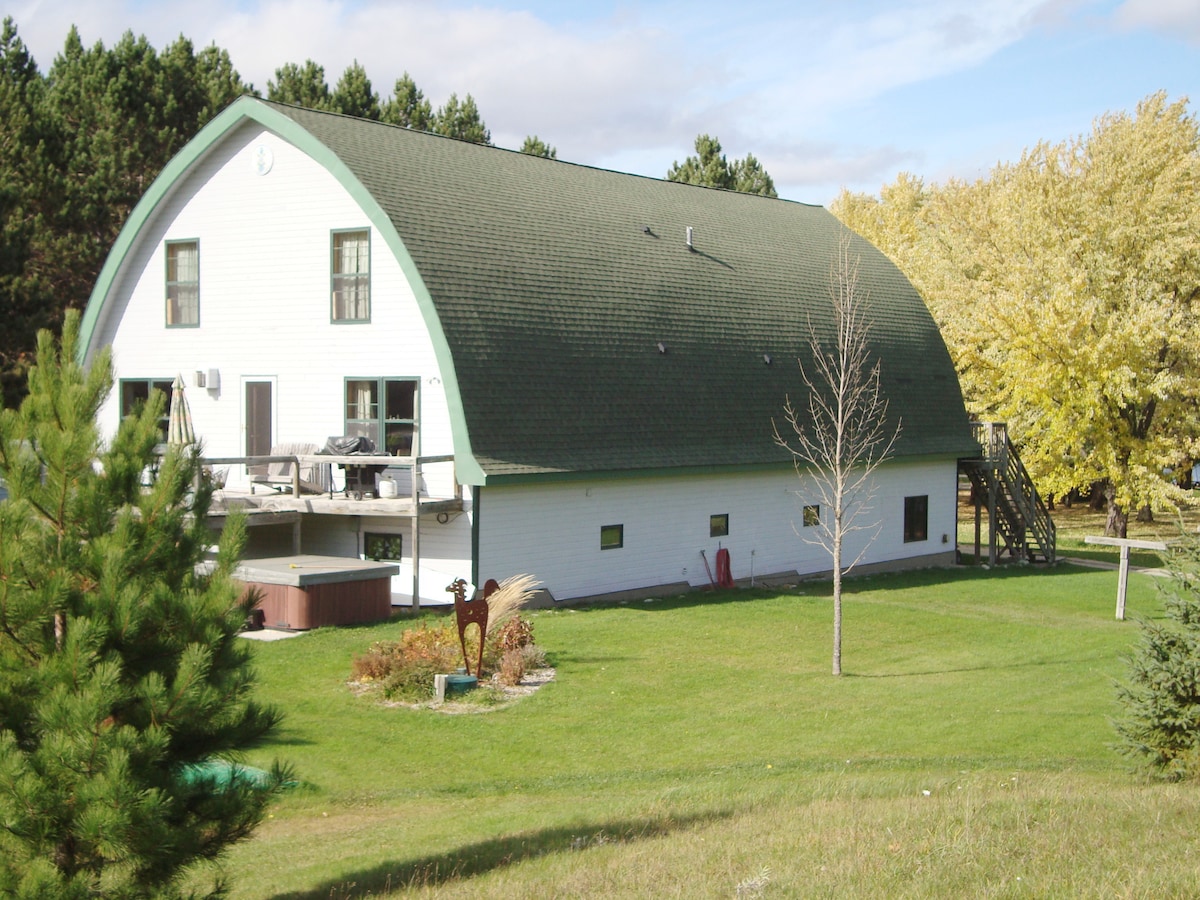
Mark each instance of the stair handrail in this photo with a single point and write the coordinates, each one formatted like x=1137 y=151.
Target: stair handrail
x=1002 y=458
x=1026 y=495
x=992 y=438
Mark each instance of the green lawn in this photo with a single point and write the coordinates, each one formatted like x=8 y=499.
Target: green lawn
x=698 y=747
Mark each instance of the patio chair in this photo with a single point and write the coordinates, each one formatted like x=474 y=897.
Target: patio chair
x=315 y=478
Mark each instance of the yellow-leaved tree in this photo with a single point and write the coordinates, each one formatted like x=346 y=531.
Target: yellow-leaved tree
x=1066 y=285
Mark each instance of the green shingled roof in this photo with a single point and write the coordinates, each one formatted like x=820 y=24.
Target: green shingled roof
x=554 y=285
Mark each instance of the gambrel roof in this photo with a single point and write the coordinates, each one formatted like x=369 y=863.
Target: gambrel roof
x=576 y=329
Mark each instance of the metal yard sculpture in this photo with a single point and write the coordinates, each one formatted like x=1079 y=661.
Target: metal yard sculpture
x=468 y=611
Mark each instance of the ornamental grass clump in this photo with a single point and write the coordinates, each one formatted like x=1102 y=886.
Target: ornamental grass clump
x=512 y=595
x=509 y=637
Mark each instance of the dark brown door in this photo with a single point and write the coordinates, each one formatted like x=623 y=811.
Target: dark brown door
x=259 y=417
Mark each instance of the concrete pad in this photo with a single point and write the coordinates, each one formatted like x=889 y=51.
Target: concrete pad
x=269 y=634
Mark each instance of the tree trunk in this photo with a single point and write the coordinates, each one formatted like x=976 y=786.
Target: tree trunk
x=837 y=599
x=1117 y=524
x=1145 y=514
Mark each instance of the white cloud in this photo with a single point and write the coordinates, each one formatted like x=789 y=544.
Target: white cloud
x=1173 y=18
x=859 y=60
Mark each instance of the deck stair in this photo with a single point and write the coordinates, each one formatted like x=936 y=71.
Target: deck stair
x=1019 y=522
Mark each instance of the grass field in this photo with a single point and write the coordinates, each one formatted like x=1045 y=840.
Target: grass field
x=698 y=747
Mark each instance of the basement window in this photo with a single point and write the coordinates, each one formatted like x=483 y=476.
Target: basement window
x=718 y=526
x=812 y=516
x=612 y=537
x=378 y=545
x=916 y=518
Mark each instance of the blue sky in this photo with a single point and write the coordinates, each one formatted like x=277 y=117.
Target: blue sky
x=826 y=95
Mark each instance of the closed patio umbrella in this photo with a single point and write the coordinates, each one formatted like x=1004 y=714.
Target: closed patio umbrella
x=180 y=432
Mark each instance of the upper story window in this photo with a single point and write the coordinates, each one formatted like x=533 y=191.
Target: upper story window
x=183 y=283
x=351 y=276
x=385 y=410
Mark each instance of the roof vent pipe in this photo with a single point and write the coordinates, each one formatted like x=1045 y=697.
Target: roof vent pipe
x=690 y=246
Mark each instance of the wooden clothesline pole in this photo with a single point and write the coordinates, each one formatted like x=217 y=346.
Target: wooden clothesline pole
x=1123 y=569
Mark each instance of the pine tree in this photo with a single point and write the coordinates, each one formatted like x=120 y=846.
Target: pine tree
x=749 y=177
x=78 y=149
x=354 y=96
x=408 y=106
x=535 y=146
x=1161 y=700
x=21 y=306
x=303 y=86
x=710 y=168
x=120 y=664
x=460 y=119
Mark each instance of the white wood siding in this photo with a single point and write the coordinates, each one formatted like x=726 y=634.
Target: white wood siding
x=553 y=531
x=265 y=303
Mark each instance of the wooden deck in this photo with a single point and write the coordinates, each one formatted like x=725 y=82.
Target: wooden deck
x=262 y=505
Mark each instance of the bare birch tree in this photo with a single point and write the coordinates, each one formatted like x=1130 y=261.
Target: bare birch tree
x=840 y=436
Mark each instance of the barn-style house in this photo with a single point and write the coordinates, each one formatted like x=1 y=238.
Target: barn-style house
x=534 y=366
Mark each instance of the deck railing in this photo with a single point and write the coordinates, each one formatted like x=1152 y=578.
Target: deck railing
x=1001 y=458
x=414 y=463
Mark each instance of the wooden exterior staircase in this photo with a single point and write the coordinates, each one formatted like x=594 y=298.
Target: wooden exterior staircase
x=1018 y=522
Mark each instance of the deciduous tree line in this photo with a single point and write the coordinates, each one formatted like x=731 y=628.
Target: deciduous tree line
x=1067 y=286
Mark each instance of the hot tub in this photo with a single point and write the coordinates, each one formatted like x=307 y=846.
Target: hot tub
x=302 y=592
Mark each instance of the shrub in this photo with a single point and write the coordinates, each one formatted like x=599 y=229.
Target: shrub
x=1161 y=725
x=377 y=663
x=405 y=668
x=412 y=681
x=437 y=645
x=512 y=667
x=514 y=634
x=534 y=657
